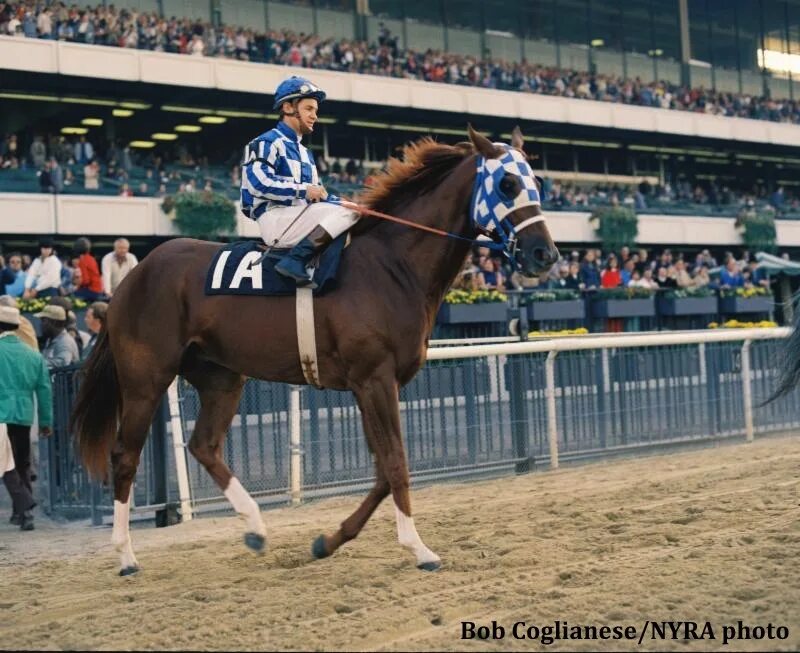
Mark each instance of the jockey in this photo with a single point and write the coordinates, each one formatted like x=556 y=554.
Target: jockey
x=281 y=190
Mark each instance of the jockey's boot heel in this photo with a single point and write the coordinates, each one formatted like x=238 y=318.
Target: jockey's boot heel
x=294 y=264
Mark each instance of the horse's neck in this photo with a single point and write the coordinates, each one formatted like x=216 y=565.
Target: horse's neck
x=435 y=260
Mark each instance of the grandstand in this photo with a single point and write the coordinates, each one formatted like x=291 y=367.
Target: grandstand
x=676 y=108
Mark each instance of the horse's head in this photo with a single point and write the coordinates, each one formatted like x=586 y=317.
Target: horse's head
x=506 y=203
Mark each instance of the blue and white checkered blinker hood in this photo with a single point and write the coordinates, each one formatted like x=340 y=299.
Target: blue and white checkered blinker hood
x=502 y=186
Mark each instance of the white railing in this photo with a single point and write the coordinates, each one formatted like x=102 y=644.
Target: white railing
x=554 y=346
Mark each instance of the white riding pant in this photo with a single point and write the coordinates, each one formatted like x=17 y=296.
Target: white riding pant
x=285 y=226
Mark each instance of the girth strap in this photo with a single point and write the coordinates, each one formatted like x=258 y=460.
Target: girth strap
x=306 y=335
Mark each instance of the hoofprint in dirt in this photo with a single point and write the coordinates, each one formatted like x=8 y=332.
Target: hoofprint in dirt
x=710 y=535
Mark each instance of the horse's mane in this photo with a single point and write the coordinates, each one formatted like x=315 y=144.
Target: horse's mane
x=424 y=165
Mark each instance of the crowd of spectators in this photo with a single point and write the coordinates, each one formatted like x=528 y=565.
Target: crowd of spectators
x=626 y=269
x=74 y=274
x=56 y=157
x=129 y=28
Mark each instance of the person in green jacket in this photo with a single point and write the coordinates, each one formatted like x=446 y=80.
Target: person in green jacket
x=23 y=373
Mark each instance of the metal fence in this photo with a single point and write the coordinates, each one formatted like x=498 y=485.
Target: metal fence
x=471 y=410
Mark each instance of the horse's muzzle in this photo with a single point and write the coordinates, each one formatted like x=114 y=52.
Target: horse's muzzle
x=539 y=260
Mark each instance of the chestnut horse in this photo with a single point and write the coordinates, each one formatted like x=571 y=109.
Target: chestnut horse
x=372 y=333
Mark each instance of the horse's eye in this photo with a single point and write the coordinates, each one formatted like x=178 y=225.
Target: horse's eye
x=509 y=186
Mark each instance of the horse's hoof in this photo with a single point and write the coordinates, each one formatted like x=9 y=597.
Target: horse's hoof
x=318 y=548
x=129 y=571
x=435 y=565
x=255 y=542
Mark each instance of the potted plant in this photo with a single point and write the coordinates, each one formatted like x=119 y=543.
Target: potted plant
x=624 y=302
x=745 y=300
x=469 y=306
x=205 y=214
x=557 y=304
x=757 y=230
x=616 y=226
x=688 y=301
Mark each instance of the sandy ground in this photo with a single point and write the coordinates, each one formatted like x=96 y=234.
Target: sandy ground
x=702 y=536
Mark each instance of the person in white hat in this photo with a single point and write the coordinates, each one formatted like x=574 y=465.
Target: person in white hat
x=60 y=349
x=23 y=373
x=26 y=332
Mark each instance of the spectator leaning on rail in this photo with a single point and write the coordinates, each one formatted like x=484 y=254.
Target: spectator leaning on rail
x=60 y=348
x=44 y=275
x=280 y=183
x=25 y=332
x=116 y=265
x=22 y=374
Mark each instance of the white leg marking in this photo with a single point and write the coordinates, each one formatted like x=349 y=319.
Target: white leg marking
x=409 y=538
x=246 y=506
x=120 y=534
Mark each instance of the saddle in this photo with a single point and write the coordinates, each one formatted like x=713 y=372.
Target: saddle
x=247 y=267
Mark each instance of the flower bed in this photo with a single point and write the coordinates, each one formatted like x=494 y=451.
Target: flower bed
x=736 y=324
x=745 y=300
x=463 y=306
x=687 y=301
x=560 y=304
x=624 y=302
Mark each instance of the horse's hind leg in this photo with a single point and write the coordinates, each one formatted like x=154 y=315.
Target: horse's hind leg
x=137 y=414
x=220 y=390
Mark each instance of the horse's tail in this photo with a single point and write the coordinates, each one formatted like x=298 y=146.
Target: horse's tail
x=790 y=364
x=97 y=409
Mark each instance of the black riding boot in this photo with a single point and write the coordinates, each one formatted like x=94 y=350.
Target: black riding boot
x=294 y=264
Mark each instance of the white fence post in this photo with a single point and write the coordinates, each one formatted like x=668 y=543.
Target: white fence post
x=552 y=425
x=179 y=448
x=747 y=393
x=295 y=452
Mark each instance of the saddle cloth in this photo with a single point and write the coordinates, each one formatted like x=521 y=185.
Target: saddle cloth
x=232 y=271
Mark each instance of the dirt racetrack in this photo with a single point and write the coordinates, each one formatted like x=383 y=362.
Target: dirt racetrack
x=710 y=535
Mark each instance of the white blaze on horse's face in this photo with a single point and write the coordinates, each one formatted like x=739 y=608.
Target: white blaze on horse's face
x=503 y=185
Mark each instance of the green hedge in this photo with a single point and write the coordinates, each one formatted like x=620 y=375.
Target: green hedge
x=616 y=227
x=204 y=214
x=758 y=230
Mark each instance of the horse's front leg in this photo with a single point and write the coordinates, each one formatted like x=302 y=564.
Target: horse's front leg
x=378 y=399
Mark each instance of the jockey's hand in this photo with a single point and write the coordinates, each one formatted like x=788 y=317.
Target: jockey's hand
x=316 y=193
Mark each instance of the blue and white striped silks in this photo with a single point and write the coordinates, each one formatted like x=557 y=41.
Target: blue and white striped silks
x=276 y=171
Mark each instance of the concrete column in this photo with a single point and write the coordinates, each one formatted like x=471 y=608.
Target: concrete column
x=686 y=49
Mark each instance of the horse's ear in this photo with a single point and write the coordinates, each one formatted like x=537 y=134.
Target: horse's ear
x=517 y=139
x=484 y=146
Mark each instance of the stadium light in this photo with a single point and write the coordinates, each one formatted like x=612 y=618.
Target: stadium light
x=163 y=136
x=90 y=101
x=324 y=120
x=145 y=145
x=240 y=114
x=367 y=123
x=212 y=120
x=597 y=43
x=657 y=52
x=122 y=113
x=182 y=109
x=29 y=96
x=74 y=130
x=188 y=129
x=135 y=105
x=92 y=122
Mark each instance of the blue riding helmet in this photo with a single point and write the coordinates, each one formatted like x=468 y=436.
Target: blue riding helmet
x=295 y=88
